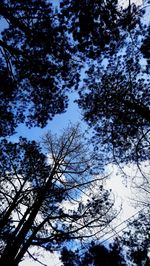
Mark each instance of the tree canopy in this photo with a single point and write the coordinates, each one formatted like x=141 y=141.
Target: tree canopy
x=36 y=64
x=95 y=254
x=51 y=191
x=135 y=239
x=131 y=248
x=114 y=98
x=43 y=50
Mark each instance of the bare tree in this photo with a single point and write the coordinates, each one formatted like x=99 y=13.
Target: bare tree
x=50 y=196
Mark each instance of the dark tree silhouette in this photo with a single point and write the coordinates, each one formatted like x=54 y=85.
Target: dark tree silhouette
x=114 y=94
x=42 y=50
x=130 y=248
x=145 y=45
x=98 y=26
x=95 y=254
x=36 y=67
x=115 y=100
x=135 y=240
x=42 y=200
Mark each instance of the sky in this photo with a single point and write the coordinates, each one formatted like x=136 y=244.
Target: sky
x=120 y=188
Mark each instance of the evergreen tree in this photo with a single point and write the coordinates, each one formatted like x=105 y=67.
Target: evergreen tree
x=114 y=94
x=95 y=254
x=135 y=240
x=36 y=64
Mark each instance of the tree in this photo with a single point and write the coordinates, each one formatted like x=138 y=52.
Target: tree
x=42 y=51
x=145 y=45
x=111 y=42
x=115 y=103
x=98 y=27
x=36 y=64
x=48 y=200
x=95 y=254
x=130 y=248
x=135 y=240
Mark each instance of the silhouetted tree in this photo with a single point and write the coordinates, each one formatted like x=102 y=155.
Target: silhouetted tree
x=47 y=200
x=42 y=51
x=36 y=64
x=115 y=102
x=130 y=248
x=145 y=45
x=98 y=26
x=114 y=95
x=135 y=240
x=95 y=254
